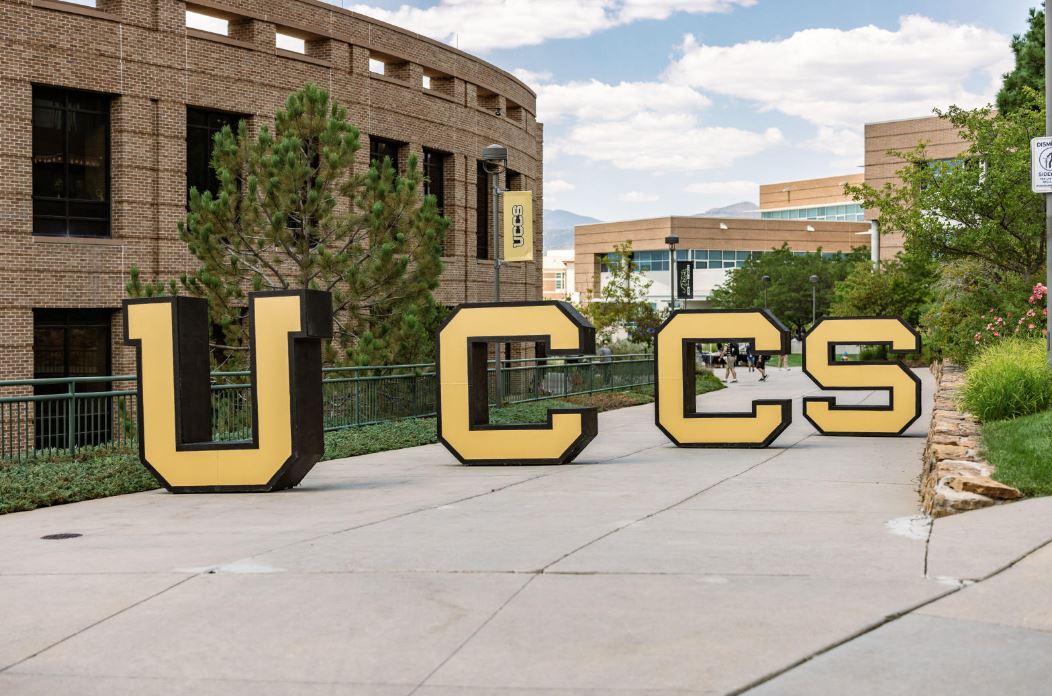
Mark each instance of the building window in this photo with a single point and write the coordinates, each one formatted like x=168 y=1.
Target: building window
x=201 y=128
x=435 y=177
x=482 y=212
x=71 y=163
x=71 y=343
x=849 y=212
x=379 y=148
x=560 y=280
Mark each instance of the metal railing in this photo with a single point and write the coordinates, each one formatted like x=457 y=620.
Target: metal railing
x=45 y=416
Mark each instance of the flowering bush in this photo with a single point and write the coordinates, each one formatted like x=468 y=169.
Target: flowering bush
x=1028 y=322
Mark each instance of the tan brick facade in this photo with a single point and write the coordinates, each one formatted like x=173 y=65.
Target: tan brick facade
x=141 y=53
x=807 y=192
x=591 y=242
x=941 y=139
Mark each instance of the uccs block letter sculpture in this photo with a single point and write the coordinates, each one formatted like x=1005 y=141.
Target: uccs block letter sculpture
x=170 y=335
x=463 y=395
x=903 y=387
x=676 y=402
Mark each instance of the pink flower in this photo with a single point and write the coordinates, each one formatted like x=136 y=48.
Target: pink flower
x=1031 y=326
x=997 y=334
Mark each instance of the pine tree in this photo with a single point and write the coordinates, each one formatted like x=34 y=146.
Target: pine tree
x=291 y=212
x=1029 y=71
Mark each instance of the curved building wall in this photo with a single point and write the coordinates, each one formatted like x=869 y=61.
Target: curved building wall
x=142 y=55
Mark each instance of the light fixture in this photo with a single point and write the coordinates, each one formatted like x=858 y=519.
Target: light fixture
x=723 y=225
x=810 y=228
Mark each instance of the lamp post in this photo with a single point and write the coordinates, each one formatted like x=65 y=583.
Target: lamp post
x=814 y=303
x=766 y=283
x=672 y=240
x=494 y=161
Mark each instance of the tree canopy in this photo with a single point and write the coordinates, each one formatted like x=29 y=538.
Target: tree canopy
x=789 y=290
x=291 y=212
x=622 y=307
x=977 y=206
x=1029 y=70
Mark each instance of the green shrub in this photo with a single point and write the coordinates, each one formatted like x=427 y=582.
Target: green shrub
x=1007 y=379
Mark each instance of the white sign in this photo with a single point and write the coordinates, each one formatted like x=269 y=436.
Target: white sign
x=1041 y=165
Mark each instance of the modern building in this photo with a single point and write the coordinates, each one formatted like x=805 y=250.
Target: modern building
x=714 y=246
x=811 y=199
x=942 y=143
x=109 y=111
x=559 y=276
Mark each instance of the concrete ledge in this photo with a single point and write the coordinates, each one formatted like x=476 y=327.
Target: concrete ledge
x=955 y=477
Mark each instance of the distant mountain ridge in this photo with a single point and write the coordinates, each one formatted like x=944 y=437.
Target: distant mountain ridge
x=744 y=209
x=558 y=228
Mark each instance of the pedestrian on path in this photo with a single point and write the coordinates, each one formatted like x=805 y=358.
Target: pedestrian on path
x=750 y=357
x=761 y=366
x=730 y=357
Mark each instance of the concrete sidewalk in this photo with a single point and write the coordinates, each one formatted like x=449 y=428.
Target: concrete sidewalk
x=641 y=568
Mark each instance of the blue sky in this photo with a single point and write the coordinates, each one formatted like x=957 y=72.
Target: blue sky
x=658 y=107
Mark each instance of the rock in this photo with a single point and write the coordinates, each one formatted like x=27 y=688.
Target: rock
x=983 y=486
x=948 y=501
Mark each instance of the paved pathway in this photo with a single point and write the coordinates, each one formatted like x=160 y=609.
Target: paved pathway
x=641 y=568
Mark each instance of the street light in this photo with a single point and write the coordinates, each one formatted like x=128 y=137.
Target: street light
x=814 y=285
x=494 y=161
x=766 y=283
x=672 y=240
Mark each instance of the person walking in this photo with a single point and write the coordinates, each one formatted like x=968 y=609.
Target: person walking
x=730 y=357
x=750 y=357
x=761 y=366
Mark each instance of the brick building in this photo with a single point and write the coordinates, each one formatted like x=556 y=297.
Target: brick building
x=108 y=112
x=942 y=142
x=714 y=246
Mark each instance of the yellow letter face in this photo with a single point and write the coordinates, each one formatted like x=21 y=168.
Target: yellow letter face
x=171 y=334
x=903 y=387
x=463 y=393
x=676 y=403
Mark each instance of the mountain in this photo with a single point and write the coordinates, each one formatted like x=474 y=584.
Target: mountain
x=558 y=228
x=745 y=209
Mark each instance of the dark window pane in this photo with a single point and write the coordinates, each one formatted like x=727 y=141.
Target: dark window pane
x=201 y=128
x=71 y=193
x=71 y=343
x=50 y=226
x=379 y=148
x=87 y=156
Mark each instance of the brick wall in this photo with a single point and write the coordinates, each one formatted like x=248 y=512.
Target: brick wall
x=142 y=53
x=941 y=139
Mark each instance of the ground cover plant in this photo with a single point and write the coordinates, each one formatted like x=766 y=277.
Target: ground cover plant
x=99 y=472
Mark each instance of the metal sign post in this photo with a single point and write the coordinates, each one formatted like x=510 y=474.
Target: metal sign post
x=1048 y=196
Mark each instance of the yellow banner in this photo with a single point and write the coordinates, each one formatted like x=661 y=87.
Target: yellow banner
x=518 y=225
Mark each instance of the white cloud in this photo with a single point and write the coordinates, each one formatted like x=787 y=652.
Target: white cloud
x=842 y=142
x=558 y=186
x=638 y=197
x=724 y=188
x=664 y=143
x=842 y=78
x=595 y=100
x=481 y=25
x=531 y=77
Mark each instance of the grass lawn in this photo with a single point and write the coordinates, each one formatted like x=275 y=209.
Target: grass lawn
x=101 y=472
x=1021 y=449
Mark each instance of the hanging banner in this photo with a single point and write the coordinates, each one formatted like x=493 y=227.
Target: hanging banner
x=518 y=226
x=685 y=280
